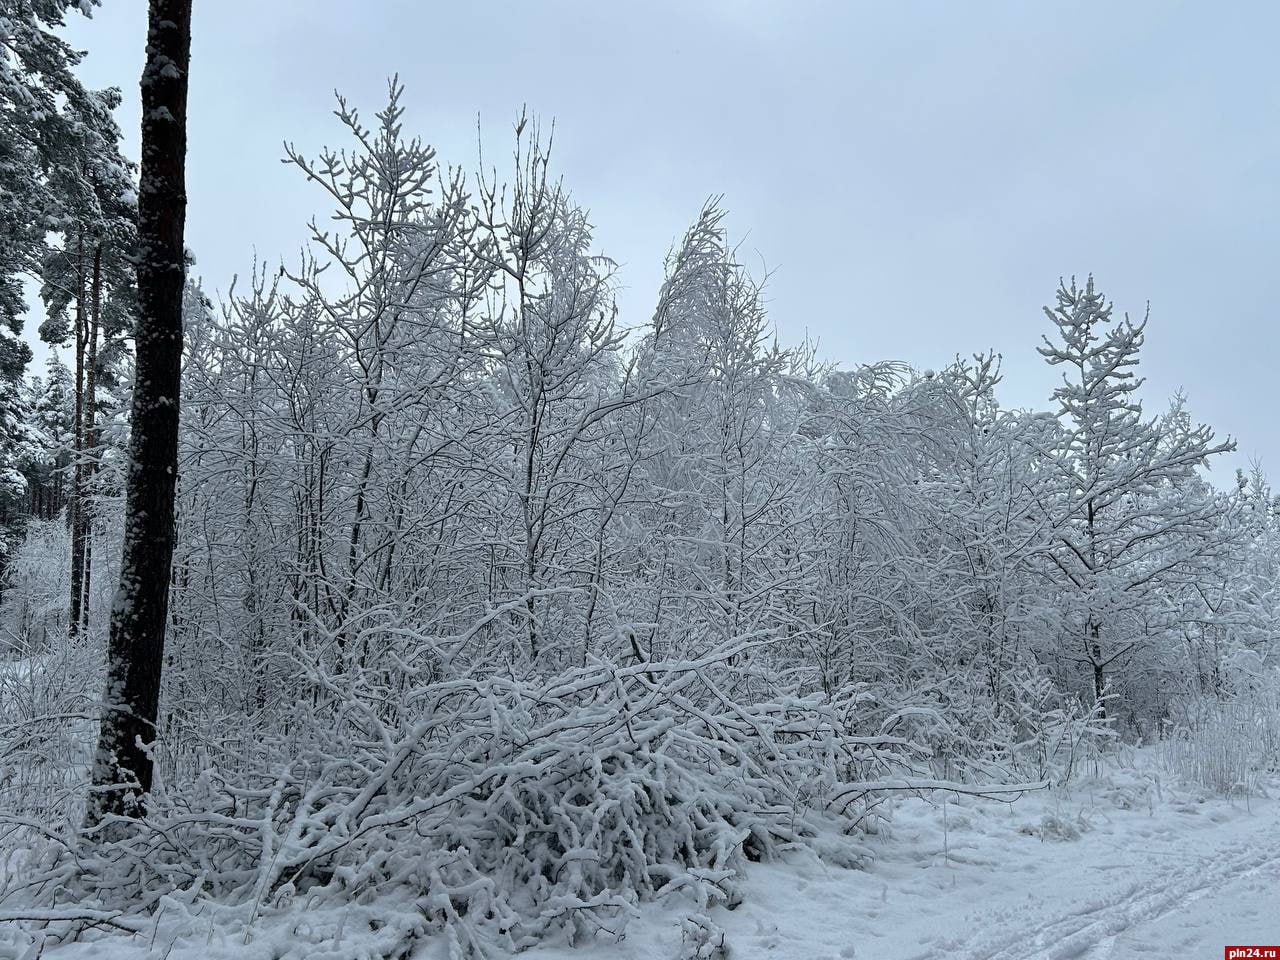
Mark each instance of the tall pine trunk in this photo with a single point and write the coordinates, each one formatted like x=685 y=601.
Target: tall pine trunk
x=89 y=439
x=122 y=767
x=75 y=513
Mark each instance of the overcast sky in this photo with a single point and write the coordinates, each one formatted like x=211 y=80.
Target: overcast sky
x=916 y=175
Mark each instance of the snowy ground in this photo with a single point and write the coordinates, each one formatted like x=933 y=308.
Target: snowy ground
x=1120 y=866
x=1129 y=868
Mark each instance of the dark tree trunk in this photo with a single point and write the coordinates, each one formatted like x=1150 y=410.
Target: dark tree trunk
x=122 y=767
x=89 y=439
x=1099 y=669
x=75 y=514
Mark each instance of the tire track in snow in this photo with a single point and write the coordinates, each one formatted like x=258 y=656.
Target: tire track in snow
x=1090 y=931
x=1104 y=948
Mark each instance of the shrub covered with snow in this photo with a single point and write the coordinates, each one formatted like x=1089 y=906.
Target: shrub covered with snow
x=1227 y=746
x=500 y=812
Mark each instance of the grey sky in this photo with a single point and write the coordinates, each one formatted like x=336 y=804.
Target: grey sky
x=917 y=175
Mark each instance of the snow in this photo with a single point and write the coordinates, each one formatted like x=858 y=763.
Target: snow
x=982 y=880
x=1121 y=865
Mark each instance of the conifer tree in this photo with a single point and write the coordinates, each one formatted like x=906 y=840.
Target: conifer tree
x=1129 y=515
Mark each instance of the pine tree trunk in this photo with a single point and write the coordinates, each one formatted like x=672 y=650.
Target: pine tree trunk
x=76 y=511
x=122 y=768
x=89 y=438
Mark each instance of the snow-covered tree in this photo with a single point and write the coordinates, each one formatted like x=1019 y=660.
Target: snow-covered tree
x=1129 y=515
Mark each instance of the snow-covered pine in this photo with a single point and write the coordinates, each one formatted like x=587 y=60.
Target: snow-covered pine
x=1131 y=517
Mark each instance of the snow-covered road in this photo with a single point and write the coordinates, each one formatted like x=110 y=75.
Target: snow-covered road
x=1174 y=880
x=1182 y=899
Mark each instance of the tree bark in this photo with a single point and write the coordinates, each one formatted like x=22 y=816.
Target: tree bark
x=76 y=510
x=89 y=439
x=1099 y=668
x=122 y=767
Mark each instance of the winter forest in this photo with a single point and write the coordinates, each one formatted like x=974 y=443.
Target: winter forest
x=411 y=600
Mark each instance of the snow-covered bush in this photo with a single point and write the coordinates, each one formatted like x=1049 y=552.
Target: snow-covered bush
x=47 y=715
x=37 y=582
x=1227 y=746
x=1034 y=733
x=504 y=811
x=1053 y=732
x=701 y=938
